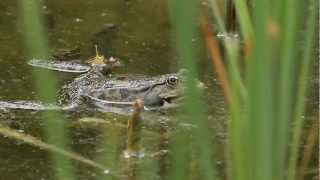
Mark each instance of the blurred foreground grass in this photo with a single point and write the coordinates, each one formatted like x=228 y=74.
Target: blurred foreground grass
x=266 y=96
x=46 y=85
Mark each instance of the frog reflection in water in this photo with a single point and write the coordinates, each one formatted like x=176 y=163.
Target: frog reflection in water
x=105 y=92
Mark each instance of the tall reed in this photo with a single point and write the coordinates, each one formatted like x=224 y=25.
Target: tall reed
x=37 y=47
x=184 y=18
x=266 y=101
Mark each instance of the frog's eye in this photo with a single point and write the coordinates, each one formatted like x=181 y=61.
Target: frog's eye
x=172 y=81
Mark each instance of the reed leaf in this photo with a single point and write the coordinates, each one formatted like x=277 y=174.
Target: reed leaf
x=306 y=62
x=37 y=46
x=184 y=18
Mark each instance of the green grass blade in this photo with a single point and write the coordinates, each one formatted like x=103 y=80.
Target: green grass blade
x=185 y=18
x=233 y=69
x=244 y=19
x=217 y=15
x=238 y=126
x=260 y=85
x=302 y=87
x=46 y=84
x=289 y=26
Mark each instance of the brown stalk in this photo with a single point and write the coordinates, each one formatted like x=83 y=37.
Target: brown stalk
x=312 y=139
x=134 y=129
x=216 y=58
x=247 y=49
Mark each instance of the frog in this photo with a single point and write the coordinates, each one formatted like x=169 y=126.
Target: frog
x=104 y=92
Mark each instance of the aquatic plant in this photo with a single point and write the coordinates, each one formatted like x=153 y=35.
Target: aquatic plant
x=264 y=99
x=37 y=43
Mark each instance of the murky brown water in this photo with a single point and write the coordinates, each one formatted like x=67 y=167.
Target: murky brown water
x=138 y=32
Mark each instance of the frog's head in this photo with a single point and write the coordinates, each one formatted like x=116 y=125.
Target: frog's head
x=168 y=91
x=156 y=92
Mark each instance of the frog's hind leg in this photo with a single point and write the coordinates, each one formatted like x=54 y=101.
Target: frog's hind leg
x=63 y=66
x=36 y=105
x=28 y=105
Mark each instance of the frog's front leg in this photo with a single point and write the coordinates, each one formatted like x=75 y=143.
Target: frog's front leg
x=73 y=103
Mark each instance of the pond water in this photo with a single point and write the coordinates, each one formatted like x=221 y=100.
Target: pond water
x=136 y=31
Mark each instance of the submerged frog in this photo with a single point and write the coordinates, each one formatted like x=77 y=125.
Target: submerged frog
x=104 y=92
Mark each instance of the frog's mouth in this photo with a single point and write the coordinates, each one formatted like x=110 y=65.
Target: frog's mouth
x=172 y=100
x=176 y=97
